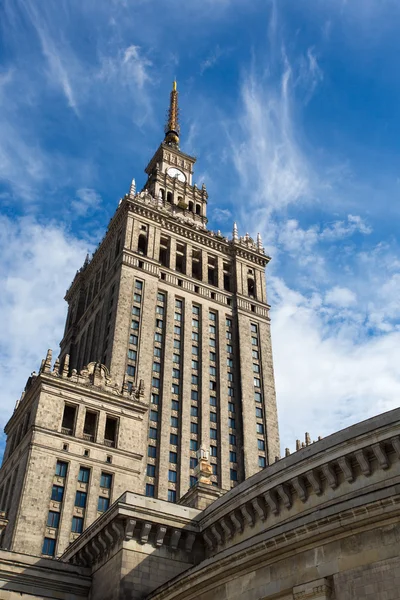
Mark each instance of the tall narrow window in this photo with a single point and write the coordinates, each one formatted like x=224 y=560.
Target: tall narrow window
x=196 y=264
x=251 y=287
x=164 y=251
x=170 y=197
x=142 y=244
x=110 y=435
x=90 y=425
x=68 y=422
x=212 y=271
x=181 y=258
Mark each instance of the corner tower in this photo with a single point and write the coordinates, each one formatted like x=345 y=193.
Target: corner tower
x=166 y=349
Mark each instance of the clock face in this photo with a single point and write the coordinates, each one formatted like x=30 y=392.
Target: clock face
x=173 y=172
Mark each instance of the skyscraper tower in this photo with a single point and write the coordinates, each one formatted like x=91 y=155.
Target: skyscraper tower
x=166 y=349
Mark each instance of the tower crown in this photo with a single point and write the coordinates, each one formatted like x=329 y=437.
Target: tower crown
x=172 y=129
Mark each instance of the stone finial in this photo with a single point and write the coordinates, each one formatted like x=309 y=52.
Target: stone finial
x=85 y=264
x=307 y=438
x=298 y=444
x=56 y=367
x=65 y=369
x=47 y=361
x=287 y=452
x=235 y=234
x=259 y=242
x=132 y=189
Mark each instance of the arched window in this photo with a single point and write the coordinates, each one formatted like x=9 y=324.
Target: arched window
x=170 y=197
x=142 y=244
x=198 y=209
x=251 y=288
x=191 y=206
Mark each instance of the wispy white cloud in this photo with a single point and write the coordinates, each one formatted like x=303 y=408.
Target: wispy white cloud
x=87 y=200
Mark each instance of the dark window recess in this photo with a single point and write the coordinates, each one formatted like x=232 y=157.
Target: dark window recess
x=191 y=206
x=142 y=244
x=212 y=271
x=251 y=288
x=227 y=277
x=196 y=264
x=180 y=258
x=164 y=251
x=68 y=422
x=198 y=209
x=162 y=192
x=89 y=428
x=170 y=197
x=110 y=435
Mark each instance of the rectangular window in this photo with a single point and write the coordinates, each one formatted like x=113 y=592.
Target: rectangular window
x=260 y=428
x=230 y=392
x=213 y=417
x=136 y=311
x=172 y=476
x=229 y=363
x=103 y=504
x=157 y=352
x=195 y=379
x=259 y=413
x=175 y=358
x=177 y=344
x=212 y=343
x=229 y=376
x=158 y=338
x=133 y=339
x=160 y=297
x=177 y=330
x=193 y=480
x=110 y=433
x=68 y=421
x=231 y=407
x=213 y=371
x=193 y=463
x=195 y=323
x=255 y=354
x=156 y=367
x=171 y=496
x=233 y=474
x=261 y=444
x=155 y=382
x=256 y=368
x=175 y=388
x=262 y=462
x=150 y=490
x=195 y=336
x=53 y=519
x=228 y=322
x=212 y=316
x=257 y=396
x=134 y=325
x=138 y=284
x=213 y=401
x=194 y=411
x=159 y=323
x=193 y=445
x=137 y=297
x=152 y=433
x=194 y=394
x=232 y=439
x=257 y=382
x=130 y=370
x=77 y=525
x=160 y=310
x=213 y=434
x=173 y=458
x=195 y=350
x=229 y=348
x=49 y=547
x=105 y=480
x=80 y=499
x=175 y=405
x=153 y=415
x=254 y=341
x=152 y=452
x=151 y=471
x=195 y=310
x=173 y=439
x=195 y=365
x=213 y=451
x=213 y=356
x=176 y=373
x=228 y=335
x=178 y=303
x=84 y=475
x=178 y=317
x=213 y=385
x=155 y=398
x=194 y=428
x=211 y=329
x=253 y=328
x=61 y=468
x=174 y=422
x=214 y=469
x=232 y=423
x=232 y=456
x=132 y=354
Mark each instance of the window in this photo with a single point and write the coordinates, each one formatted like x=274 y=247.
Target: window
x=213 y=401
x=49 y=547
x=77 y=525
x=132 y=354
x=61 y=468
x=193 y=463
x=211 y=329
x=257 y=396
x=177 y=344
x=137 y=298
x=156 y=367
x=229 y=348
x=256 y=368
x=254 y=341
x=259 y=413
x=172 y=476
x=213 y=385
x=194 y=394
x=212 y=316
x=80 y=499
x=195 y=336
x=260 y=428
x=136 y=311
x=195 y=365
x=261 y=444
x=214 y=469
x=230 y=392
x=229 y=376
x=53 y=519
x=195 y=379
x=229 y=363
x=160 y=297
x=175 y=358
x=213 y=451
x=174 y=405
x=232 y=439
x=159 y=323
x=178 y=303
x=175 y=388
x=171 y=496
x=232 y=456
x=151 y=471
x=110 y=433
x=155 y=398
x=152 y=452
x=193 y=445
x=84 y=475
x=228 y=322
x=255 y=354
x=153 y=433
x=194 y=427
x=159 y=310
x=177 y=330
x=134 y=325
x=178 y=317
x=153 y=415
x=212 y=343
x=232 y=423
x=155 y=382
x=193 y=480
x=195 y=350
x=68 y=421
x=194 y=411
x=158 y=338
x=233 y=475
x=213 y=434
x=228 y=335
x=173 y=457
x=231 y=407
x=150 y=490
x=174 y=422
x=130 y=370
x=253 y=328
x=103 y=504
x=195 y=310
x=213 y=371
x=173 y=439
x=138 y=284
x=133 y=339
x=195 y=323
x=213 y=356
x=157 y=352
x=262 y=462
x=176 y=373
x=257 y=382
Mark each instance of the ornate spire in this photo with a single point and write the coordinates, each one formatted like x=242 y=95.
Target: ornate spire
x=259 y=242
x=172 y=128
x=132 y=190
x=235 y=235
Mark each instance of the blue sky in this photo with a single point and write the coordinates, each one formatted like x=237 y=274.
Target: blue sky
x=293 y=110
